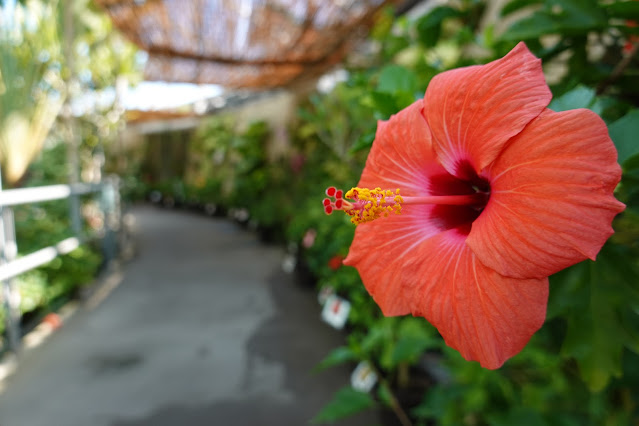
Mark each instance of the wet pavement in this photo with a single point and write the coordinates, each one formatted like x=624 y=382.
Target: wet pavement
x=204 y=329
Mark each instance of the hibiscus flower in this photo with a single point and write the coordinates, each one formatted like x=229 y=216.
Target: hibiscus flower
x=495 y=193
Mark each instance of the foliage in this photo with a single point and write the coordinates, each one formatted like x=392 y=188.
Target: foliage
x=41 y=68
x=347 y=401
x=581 y=367
x=27 y=107
x=43 y=224
x=53 y=52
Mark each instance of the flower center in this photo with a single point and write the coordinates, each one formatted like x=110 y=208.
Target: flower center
x=465 y=181
x=365 y=205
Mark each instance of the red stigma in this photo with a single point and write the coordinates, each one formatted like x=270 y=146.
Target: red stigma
x=335 y=200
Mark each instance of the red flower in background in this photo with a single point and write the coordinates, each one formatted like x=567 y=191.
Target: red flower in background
x=632 y=39
x=497 y=193
x=335 y=262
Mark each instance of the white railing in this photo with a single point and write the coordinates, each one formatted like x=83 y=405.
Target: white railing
x=12 y=266
x=12 y=197
x=37 y=258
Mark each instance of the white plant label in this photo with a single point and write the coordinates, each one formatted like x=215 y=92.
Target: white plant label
x=335 y=311
x=363 y=377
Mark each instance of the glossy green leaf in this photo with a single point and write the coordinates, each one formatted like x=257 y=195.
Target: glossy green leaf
x=624 y=133
x=396 y=78
x=531 y=27
x=337 y=356
x=364 y=142
x=437 y=401
x=580 y=97
x=596 y=334
x=623 y=9
x=384 y=103
x=430 y=26
x=566 y=17
x=578 y=14
x=414 y=337
x=380 y=335
x=346 y=402
x=410 y=348
x=519 y=416
x=516 y=5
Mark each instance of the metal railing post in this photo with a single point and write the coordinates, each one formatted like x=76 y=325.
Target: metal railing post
x=10 y=295
x=75 y=214
x=73 y=142
x=110 y=200
x=11 y=266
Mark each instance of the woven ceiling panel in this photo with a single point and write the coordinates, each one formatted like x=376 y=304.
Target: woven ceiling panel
x=242 y=43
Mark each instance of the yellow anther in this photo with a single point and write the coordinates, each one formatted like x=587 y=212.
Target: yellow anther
x=370 y=204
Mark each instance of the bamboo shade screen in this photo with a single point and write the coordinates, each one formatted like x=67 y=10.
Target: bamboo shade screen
x=242 y=43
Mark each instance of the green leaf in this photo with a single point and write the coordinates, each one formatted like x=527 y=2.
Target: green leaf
x=378 y=336
x=414 y=337
x=578 y=15
x=410 y=348
x=346 y=402
x=566 y=17
x=439 y=400
x=364 y=142
x=603 y=318
x=429 y=27
x=384 y=103
x=627 y=224
x=518 y=416
x=624 y=10
x=515 y=5
x=580 y=97
x=629 y=321
x=595 y=347
x=384 y=394
x=623 y=133
x=379 y=342
x=337 y=356
x=395 y=78
x=531 y=27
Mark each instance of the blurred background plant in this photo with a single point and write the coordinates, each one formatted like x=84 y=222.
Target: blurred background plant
x=30 y=92
x=581 y=368
x=50 y=131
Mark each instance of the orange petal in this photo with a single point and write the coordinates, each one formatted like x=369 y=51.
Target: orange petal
x=383 y=253
x=485 y=316
x=551 y=202
x=472 y=112
x=402 y=155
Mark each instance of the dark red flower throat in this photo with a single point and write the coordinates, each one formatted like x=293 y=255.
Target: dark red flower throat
x=467 y=182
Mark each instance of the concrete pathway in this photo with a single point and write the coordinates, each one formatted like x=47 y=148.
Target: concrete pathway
x=204 y=329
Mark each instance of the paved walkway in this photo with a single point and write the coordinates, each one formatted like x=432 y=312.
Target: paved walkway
x=204 y=329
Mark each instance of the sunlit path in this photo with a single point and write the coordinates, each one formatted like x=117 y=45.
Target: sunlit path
x=204 y=329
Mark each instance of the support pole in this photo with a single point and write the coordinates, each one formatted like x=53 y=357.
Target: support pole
x=73 y=141
x=110 y=205
x=10 y=295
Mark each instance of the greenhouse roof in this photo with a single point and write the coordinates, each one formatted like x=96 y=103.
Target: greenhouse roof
x=242 y=43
